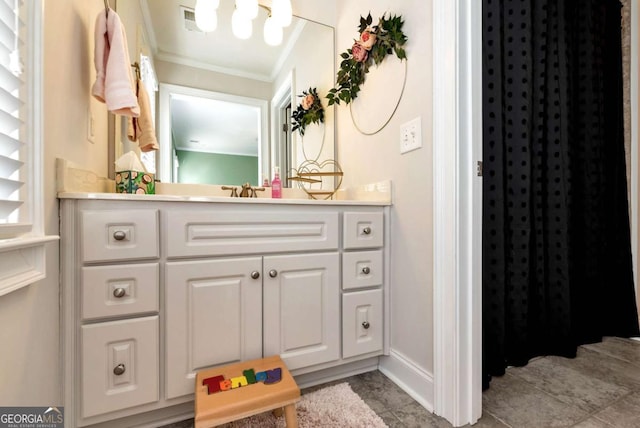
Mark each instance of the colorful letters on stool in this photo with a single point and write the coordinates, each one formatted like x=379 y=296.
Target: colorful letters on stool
x=225 y=394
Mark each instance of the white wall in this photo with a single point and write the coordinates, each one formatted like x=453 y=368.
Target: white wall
x=29 y=318
x=369 y=159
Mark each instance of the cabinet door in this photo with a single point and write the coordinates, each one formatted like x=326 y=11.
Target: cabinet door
x=361 y=323
x=119 y=365
x=213 y=317
x=301 y=308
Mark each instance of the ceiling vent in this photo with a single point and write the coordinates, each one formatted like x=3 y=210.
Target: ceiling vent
x=189 y=19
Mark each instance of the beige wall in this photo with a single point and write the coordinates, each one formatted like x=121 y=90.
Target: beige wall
x=315 y=72
x=177 y=74
x=368 y=159
x=29 y=318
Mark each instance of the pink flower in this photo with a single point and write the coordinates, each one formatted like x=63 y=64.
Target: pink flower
x=359 y=53
x=367 y=39
x=308 y=101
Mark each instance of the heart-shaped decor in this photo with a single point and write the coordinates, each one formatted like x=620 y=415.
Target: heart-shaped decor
x=319 y=180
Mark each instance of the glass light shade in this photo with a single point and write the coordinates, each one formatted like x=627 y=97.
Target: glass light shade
x=248 y=8
x=272 y=32
x=206 y=15
x=241 y=26
x=282 y=12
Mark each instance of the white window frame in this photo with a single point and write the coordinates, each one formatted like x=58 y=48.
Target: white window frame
x=22 y=258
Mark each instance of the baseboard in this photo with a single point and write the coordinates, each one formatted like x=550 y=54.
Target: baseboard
x=152 y=419
x=334 y=373
x=413 y=380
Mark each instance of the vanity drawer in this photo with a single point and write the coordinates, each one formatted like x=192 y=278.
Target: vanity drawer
x=119 y=290
x=362 y=269
x=119 y=365
x=231 y=233
x=110 y=235
x=363 y=230
x=362 y=324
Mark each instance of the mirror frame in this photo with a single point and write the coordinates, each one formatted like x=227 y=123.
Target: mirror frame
x=167 y=90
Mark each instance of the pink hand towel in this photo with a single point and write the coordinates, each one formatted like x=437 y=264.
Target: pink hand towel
x=113 y=85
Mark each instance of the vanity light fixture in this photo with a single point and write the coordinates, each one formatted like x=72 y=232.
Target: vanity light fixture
x=246 y=11
x=241 y=26
x=272 y=32
x=207 y=15
x=247 y=8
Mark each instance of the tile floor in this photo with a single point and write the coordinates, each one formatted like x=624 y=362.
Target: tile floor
x=598 y=389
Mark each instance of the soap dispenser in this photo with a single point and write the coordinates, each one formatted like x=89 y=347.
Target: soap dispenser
x=276 y=184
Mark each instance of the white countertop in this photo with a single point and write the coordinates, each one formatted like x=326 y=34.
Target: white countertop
x=216 y=199
x=76 y=183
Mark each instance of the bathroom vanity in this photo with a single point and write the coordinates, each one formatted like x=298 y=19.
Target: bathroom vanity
x=155 y=288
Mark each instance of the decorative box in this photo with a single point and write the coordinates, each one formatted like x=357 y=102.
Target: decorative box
x=135 y=182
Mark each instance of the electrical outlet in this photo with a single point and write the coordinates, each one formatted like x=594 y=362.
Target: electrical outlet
x=411 y=135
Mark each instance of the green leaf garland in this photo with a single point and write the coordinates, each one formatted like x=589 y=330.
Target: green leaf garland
x=309 y=111
x=374 y=44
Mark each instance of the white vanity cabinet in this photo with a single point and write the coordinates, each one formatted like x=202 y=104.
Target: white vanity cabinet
x=155 y=290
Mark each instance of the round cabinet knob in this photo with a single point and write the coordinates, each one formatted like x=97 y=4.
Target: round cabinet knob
x=119 y=369
x=366 y=230
x=119 y=235
x=255 y=274
x=366 y=325
x=273 y=273
x=119 y=292
x=366 y=270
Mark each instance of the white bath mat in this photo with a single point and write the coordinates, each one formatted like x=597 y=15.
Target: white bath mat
x=331 y=407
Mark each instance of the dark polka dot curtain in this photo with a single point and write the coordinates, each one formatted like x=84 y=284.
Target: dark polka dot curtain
x=556 y=244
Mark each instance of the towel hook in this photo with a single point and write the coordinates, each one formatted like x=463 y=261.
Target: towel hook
x=106 y=7
x=136 y=67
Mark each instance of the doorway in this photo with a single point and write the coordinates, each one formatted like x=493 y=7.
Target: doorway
x=457 y=34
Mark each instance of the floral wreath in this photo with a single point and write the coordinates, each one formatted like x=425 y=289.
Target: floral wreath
x=309 y=111
x=374 y=45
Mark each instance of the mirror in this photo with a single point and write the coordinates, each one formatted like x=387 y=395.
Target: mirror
x=212 y=138
x=200 y=72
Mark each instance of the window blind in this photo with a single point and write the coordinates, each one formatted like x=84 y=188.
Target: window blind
x=22 y=241
x=13 y=148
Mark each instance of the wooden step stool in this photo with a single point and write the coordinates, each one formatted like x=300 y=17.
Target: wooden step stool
x=226 y=394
